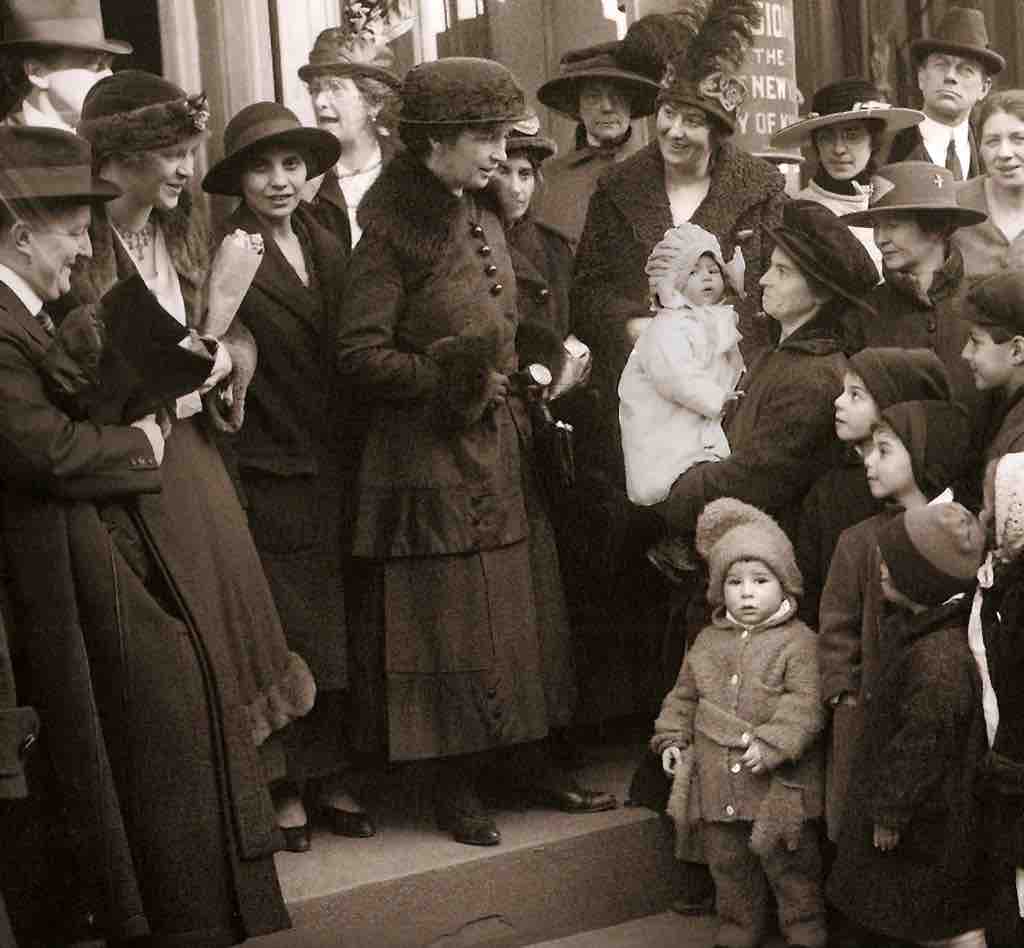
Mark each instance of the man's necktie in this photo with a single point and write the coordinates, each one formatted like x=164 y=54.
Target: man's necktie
x=46 y=321
x=953 y=162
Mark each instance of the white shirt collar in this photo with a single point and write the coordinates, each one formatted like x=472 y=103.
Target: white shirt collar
x=936 y=140
x=19 y=286
x=39 y=119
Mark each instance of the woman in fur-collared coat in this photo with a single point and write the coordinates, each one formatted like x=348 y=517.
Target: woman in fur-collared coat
x=456 y=651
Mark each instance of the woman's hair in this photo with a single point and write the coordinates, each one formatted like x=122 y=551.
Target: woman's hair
x=1010 y=101
x=381 y=99
x=937 y=223
x=417 y=138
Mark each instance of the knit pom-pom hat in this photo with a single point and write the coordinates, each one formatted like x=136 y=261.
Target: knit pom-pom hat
x=933 y=552
x=675 y=256
x=729 y=530
x=893 y=375
x=134 y=110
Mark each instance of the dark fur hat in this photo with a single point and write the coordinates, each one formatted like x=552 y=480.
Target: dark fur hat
x=134 y=110
x=461 y=90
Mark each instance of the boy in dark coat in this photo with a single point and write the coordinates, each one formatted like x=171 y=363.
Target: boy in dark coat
x=905 y=868
x=741 y=727
x=994 y=351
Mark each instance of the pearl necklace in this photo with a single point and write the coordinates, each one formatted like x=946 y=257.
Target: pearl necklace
x=366 y=169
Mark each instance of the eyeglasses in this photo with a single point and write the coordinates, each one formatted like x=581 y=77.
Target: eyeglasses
x=326 y=84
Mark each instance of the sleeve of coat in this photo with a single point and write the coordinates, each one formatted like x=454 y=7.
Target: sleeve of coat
x=773 y=469
x=42 y=447
x=799 y=716
x=670 y=355
x=368 y=357
x=809 y=554
x=603 y=299
x=841 y=619
x=674 y=725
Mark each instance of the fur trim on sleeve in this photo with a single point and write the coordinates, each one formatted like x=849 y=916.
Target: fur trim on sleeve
x=537 y=342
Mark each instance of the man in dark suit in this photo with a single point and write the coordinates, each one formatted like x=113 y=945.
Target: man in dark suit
x=955 y=67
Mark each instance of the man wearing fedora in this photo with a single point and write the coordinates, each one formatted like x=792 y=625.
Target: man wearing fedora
x=955 y=67
x=353 y=86
x=601 y=94
x=914 y=212
x=52 y=52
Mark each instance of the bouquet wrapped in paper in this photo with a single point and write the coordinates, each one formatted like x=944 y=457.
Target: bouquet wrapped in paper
x=234 y=267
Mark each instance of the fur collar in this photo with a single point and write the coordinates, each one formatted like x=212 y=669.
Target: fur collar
x=187 y=238
x=414 y=211
x=738 y=182
x=825 y=334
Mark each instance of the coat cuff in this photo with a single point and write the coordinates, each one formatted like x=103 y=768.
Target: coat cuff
x=465 y=364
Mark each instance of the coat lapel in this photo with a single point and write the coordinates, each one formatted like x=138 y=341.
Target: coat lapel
x=276 y=277
x=17 y=310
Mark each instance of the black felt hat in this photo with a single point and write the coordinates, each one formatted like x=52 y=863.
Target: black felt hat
x=597 y=62
x=998 y=300
x=41 y=163
x=936 y=434
x=893 y=374
x=261 y=125
x=824 y=247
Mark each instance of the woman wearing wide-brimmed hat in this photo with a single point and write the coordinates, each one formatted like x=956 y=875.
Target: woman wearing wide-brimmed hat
x=353 y=86
x=599 y=88
x=914 y=213
x=460 y=646
x=191 y=542
x=289 y=457
x=845 y=128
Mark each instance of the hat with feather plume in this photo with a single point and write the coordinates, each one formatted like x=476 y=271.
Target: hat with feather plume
x=703 y=47
x=359 y=46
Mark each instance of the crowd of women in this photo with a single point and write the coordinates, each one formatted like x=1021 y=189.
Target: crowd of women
x=371 y=533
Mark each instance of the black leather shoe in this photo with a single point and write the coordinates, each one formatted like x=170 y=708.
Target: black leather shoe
x=297 y=839
x=570 y=797
x=356 y=824
x=473 y=829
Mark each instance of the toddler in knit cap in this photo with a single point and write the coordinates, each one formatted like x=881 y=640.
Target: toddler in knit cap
x=907 y=859
x=682 y=372
x=740 y=733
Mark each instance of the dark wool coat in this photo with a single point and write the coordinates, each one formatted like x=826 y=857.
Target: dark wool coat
x=142 y=716
x=288 y=455
x=542 y=260
x=782 y=436
x=908 y=145
x=916 y=772
x=570 y=180
x=464 y=603
x=1002 y=617
x=905 y=317
x=849 y=656
x=839 y=499
x=1007 y=428
x=767 y=676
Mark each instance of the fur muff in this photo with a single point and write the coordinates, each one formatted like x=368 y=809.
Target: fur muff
x=465 y=363
x=536 y=342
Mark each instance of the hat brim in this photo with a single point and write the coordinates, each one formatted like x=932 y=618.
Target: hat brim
x=992 y=61
x=53 y=186
x=964 y=216
x=800 y=132
x=803 y=253
x=541 y=147
x=320 y=151
x=489 y=120
x=562 y=92
x=347 y=70
x=106 y=45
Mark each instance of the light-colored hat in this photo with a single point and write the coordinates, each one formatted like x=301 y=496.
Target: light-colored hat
x=729 y=530
x=70 y=24
x=913 y=186
x=1008 y=499
x=848 y=100
x=677 y=253
x=961 y=32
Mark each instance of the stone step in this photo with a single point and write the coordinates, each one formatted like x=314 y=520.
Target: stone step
x=554 y=874
x=663 y=930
